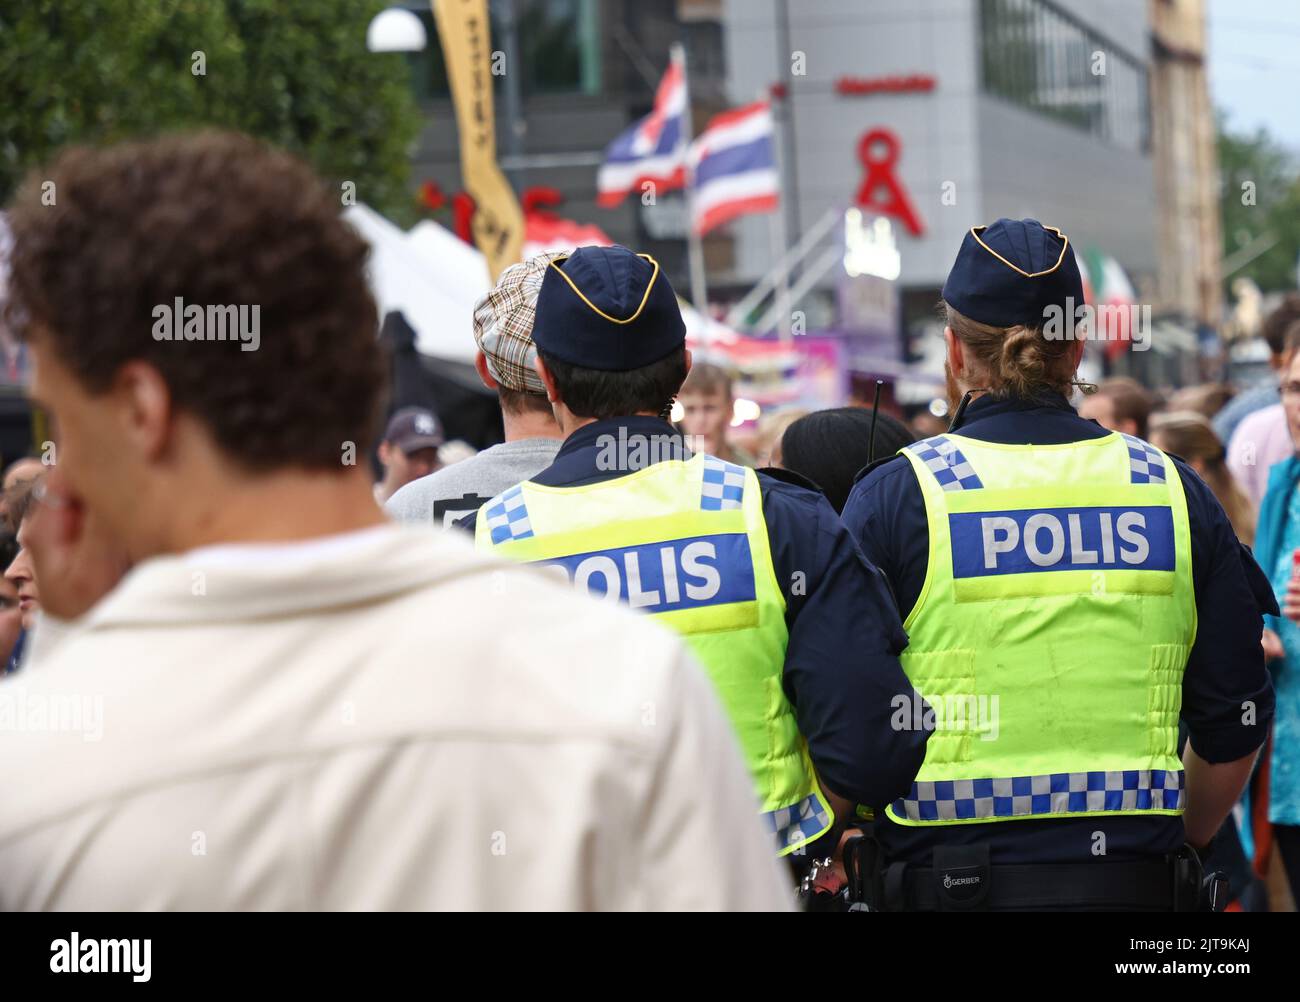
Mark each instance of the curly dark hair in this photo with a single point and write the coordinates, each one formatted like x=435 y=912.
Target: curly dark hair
x=216 y=219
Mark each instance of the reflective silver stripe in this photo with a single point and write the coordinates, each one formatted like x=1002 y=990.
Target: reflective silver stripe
x=1145 y=463
x=724 y=485
x=946 y=462
x=507 y=516
x=797 y=823
x=1048 y=794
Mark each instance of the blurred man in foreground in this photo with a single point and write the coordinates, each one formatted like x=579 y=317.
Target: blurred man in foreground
x=302 y=705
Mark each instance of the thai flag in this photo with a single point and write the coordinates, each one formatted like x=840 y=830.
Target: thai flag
x=651 y=150
x=735 y=167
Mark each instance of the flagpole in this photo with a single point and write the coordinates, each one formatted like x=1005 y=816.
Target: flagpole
x=694 y=246
x=776 y=225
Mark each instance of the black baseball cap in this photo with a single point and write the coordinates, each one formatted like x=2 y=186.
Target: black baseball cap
x=414 y=428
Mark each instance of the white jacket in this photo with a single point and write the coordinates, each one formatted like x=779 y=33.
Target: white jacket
x=380 y=720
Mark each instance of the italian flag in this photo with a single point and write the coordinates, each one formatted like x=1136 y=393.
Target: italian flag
x=1105 y=284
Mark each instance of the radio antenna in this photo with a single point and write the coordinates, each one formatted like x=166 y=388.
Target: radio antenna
x=875 y=409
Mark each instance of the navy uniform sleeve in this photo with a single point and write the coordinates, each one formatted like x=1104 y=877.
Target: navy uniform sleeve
x=842 y=672
x=1227 y=692
x=885 y=515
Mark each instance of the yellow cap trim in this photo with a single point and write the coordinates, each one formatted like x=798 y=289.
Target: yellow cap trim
x=596 y=309
x=1035 y=274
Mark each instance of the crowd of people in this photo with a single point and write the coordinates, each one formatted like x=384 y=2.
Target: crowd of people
x=250 y=676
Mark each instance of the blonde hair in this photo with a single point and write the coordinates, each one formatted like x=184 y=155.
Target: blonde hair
x=1015 y=361
x=771 y=429
x=707 y=378
x=1191 y=436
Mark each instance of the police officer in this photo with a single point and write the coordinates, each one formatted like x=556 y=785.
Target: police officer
x=798 y=633
x=1067 y=592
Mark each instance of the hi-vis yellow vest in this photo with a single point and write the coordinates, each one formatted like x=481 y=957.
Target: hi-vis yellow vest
x=685 y=540
x=1051 y=633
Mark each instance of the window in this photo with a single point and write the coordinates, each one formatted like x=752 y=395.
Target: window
x=1040 y=58
x=558 y=48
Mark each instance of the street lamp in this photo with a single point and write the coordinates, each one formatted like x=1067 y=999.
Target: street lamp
x=396 y=30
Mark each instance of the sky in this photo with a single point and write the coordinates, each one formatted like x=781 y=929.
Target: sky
x=1254 y=65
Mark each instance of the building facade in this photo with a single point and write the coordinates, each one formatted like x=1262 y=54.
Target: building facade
x=992 y=108
x=1090 y=115
x=1190 y=279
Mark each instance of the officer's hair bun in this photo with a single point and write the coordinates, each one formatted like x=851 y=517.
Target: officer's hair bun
x=1014 y=361
x=1023 y=365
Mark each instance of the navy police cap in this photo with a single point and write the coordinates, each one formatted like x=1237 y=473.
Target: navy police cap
x=1009 y=274
x=607 y=308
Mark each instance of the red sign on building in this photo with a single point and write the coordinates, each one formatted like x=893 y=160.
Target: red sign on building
x=915 y=83
x=881 y=190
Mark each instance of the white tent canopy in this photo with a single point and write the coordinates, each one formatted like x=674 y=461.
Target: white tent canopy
x=433 y=277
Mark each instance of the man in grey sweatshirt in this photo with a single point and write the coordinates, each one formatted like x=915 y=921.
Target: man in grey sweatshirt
x=503 y=326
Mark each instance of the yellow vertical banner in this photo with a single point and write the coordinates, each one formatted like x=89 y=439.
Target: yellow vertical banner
x=498 y=223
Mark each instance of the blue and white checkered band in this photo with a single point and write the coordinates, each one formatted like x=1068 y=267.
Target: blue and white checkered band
x=724 y=485
x=1145 y=463
x=942 y=458
x=798 y=822
x=1035 y=796
x=507 y=516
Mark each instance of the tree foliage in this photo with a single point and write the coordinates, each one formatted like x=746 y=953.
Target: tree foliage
x=1260 y=197
x=294 y=72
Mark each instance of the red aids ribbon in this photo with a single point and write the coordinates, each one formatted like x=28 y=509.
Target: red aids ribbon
x=880 y=175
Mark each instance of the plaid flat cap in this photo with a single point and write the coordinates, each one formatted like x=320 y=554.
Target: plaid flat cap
x=503 y=325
